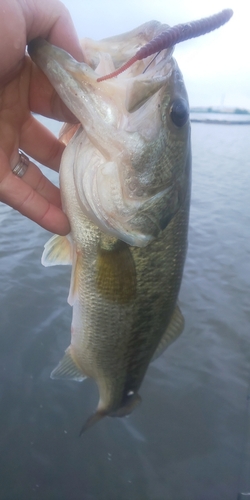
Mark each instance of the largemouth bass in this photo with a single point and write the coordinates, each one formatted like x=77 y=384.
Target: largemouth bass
x=125 y=184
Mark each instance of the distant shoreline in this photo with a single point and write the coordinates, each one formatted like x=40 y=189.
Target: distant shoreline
x=220 y=110
x=219 y=122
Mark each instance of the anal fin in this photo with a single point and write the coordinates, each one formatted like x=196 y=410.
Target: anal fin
x=67 y=369
x=174 y=329
x=102 y=412
x=92 y=420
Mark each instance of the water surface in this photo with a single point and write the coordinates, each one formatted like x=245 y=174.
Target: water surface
x=186 y=440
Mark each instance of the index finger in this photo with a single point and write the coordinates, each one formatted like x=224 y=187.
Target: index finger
x=24 y=20
x=50 y=19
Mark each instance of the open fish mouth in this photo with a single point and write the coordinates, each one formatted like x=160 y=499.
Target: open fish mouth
x=120 y=182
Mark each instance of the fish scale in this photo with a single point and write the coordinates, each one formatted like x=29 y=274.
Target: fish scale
x=125 y=180
x=127 y=247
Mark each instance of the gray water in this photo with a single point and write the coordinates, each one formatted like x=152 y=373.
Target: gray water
x=188 y=438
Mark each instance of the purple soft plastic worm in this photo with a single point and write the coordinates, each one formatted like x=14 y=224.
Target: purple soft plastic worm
x=176 y=34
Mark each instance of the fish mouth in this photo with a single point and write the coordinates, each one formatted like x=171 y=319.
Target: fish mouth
x=119 y=117
x=135 y=86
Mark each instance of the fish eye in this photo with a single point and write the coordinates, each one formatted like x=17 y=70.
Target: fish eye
x=179 y=112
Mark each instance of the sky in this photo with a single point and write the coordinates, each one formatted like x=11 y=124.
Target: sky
x=216 y=67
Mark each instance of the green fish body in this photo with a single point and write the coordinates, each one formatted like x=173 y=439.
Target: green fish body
x=125 y=180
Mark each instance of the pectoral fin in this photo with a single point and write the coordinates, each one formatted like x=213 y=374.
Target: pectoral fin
x=174 y=329
x=116 y=273
x=67 y=369
x=67 y=131
x=57 y=251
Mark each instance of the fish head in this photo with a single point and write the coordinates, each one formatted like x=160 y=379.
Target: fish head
x=132 y=154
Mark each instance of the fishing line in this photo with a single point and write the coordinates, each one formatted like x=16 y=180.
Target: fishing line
x=152 y=60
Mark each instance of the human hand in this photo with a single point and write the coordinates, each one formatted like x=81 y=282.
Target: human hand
x=25 y=89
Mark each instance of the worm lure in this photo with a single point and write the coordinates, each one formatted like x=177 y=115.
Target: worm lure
x=174 y=35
